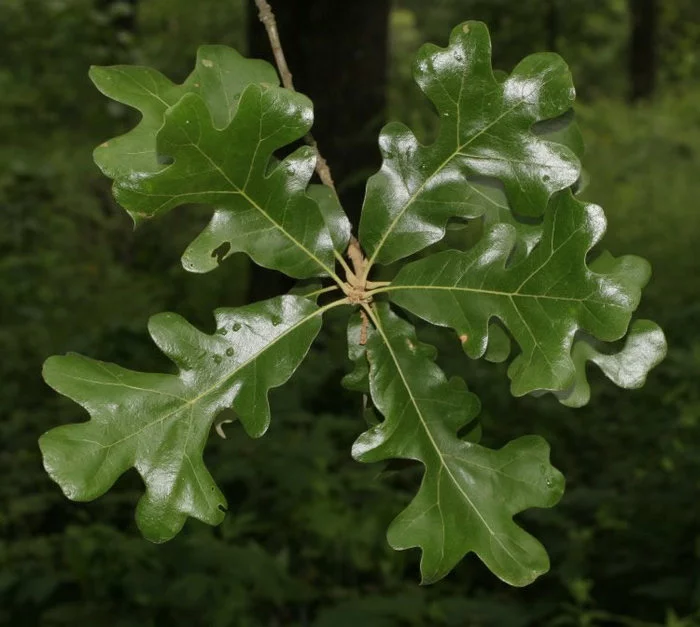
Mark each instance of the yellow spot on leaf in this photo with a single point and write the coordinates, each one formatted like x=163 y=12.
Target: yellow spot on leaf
x=465 y=28
x=104 y=145
x=207 y=63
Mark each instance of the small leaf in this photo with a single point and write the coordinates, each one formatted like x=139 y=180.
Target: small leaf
x=358 y=379
x=469 y=493
x=543 y=299
x=159 y=423
x=485 y=130
x=645 y=348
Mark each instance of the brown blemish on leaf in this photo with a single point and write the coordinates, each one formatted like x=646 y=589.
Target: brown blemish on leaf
x=463 y=338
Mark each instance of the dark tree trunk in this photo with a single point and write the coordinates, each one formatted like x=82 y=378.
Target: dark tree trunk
x=337 y=53
x=552 y=25
x=642 y=51
x=124 y=21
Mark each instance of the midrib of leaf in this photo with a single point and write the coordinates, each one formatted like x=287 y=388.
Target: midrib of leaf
x=120 y=384
x=191 y=402
x=148 y=91
x=288 y=235
x=443 y=464
x=517 y=293
x=476 y=290
x=437 y=170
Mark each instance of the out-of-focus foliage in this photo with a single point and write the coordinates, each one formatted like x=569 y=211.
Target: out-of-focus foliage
x=590 y=34
x=170 y=31
x=625 y=540
x=643 y=163
x=679 y=34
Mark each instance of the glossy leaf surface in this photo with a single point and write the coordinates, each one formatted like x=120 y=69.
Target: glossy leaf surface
x=645 y=348
x=543 y=299
x=485 y=130
x=335 y=218
x=357 y=379
x=469 y=493
x=266 y=214
x=507 y=152
x=494 y=202
x=159 y=423
x=211 y=140
x=219 y=77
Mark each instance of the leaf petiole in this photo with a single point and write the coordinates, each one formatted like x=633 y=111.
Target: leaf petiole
x=343 y=263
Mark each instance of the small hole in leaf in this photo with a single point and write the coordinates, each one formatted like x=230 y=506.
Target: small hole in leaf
x=221 y=251
x=222 y=508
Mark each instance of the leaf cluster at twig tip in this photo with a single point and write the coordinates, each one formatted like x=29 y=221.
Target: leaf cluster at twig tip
x=535 y=285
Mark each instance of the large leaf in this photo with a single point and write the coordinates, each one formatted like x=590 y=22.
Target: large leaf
x=159 y=423
x=486 y=130
x=211 y=140
x=220 y=75
x=264 y=213
x=469 y=493
x=543 y=299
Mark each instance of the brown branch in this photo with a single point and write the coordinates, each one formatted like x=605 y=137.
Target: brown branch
x=354 y=252
x=267 y=17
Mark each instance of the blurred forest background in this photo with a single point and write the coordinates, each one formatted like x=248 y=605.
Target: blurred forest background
x=304 y=543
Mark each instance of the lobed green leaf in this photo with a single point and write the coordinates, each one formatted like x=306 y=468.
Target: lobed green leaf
x=159 y=423
x=469 y=493
x=485 y=130
x=644 y=348
x=543 y=299
x=211 y=140
x=219 y=77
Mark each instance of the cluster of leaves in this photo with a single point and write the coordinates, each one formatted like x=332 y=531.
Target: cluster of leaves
x=506 y=154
